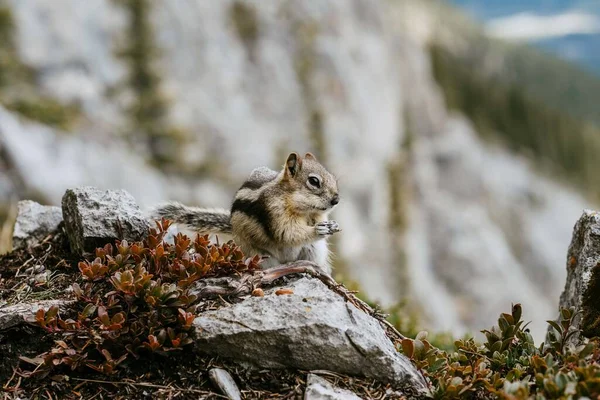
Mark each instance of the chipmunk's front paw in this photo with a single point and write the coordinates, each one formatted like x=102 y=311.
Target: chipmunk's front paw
x=327 y=228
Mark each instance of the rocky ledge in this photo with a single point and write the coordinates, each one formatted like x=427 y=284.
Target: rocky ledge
x=287 y=331
x=93 y=301
x=582 y=288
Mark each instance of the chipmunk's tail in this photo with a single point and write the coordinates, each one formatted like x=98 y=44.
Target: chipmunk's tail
x=201 y=220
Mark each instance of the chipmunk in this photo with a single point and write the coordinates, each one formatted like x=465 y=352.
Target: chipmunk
x=282 y=215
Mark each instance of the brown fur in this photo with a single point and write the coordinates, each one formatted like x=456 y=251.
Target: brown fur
x=277 y=214
x=294 y=208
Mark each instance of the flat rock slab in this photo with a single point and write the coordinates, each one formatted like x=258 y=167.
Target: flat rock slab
x=582 y=289
x=34 y=223
x=94 y=217
x=318 y=388
x=311 y=329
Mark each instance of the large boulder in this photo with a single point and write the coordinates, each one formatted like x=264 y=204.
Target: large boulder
x=94 y=217
x=582 y=289
x=34 y=223
x=313 y=328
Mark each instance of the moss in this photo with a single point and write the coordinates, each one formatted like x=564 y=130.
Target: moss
x=397 y=224
x=7 y=24
x=245 y=21
x=12 y=69
x=407 y=144
x=396 y=175
x=45 y=110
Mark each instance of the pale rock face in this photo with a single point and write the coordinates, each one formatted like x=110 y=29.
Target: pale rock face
x=57 y=161
x=484 y=218
x=484 y=229
x=72 y=45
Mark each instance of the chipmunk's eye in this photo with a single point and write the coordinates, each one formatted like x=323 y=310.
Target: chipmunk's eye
x=314 y=182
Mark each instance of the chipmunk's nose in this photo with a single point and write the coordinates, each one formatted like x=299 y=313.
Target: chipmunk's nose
x=335 y=200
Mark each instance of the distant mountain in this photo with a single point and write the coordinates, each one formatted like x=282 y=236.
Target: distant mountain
x=582 y=49
x=568 y=29
x=488 y=9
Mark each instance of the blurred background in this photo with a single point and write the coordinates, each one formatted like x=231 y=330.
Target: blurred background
x=465 y=133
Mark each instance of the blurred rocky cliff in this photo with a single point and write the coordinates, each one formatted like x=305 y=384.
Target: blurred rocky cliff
x=182 y=99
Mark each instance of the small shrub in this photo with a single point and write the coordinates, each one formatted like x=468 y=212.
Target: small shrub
x=134 y=300
x=508 y=365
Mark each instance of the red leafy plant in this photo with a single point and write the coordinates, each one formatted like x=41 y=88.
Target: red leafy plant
x=134 y=299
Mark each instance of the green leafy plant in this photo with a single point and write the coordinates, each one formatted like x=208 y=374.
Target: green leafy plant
x=508 y=365
x=135 y=299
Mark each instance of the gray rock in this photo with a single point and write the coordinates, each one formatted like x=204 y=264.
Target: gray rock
x=94 y=217
x=14 y=315
x=223 y=380
x=318 y=388
x=313 y=328
x=583 y=278
x=34 y=223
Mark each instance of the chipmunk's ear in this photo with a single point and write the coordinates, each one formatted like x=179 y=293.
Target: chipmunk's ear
x=293 y=165
x=310 y=156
